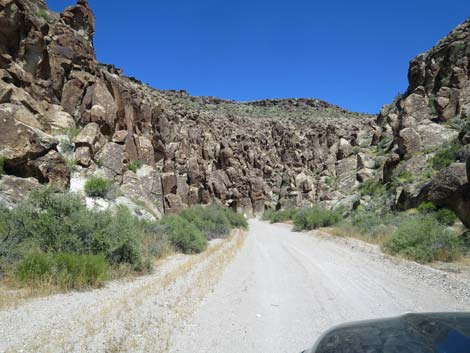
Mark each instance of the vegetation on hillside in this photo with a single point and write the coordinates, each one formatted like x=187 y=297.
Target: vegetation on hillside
x=423 y=236
x=135 y=165
x=310 y=109
x=53 y=239
x=97 y=187
x=445 y=156
x=305 y=218
x=2 y=164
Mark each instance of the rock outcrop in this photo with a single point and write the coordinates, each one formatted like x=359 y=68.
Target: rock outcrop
x=430 y=116
x=199 y=150
x=64 y=116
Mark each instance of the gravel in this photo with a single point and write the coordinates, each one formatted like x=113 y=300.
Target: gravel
x=284 y=289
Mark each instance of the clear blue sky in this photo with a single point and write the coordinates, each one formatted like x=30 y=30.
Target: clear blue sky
x=352 y=53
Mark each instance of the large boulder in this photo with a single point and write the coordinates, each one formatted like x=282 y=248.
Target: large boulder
x=91 y=137
x=450 y=188
x=98 y=106
x=13 y=189
x=409 y=142
x=51 y=169
x=20 y=142
x=56 y=119
x=80 y=17
x=145 y=186
x=435 y=135
x=169 y=183
x=111 y=159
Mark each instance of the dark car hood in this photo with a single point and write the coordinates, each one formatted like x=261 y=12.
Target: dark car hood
x=411 y=333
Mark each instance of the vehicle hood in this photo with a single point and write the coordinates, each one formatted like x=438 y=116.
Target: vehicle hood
x=410 y=333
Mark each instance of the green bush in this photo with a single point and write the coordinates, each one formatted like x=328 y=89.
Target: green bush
x=442 y=215
x=2 y=164
x=43 y=14
x=445 y=156
x=214 y=221
x=366 y=222
x=65 y=270
x=445 y=216
x=372 y=188
x=313 y=218
x=97 y=187
x=56 y=223
x=184 y=235
x=427 y=207
x=280 y=215
x=424 y=239
x=156 y=242
x=69 y=238
x=35 y=267
x=235 y=219
x=190 y=230
x=135 y=165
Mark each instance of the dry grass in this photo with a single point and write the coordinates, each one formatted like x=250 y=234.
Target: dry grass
x=378 y=239
x=144 y=317
x=12 y=293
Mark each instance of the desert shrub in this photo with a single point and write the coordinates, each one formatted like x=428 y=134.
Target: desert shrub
x=445 y=156
x=280 y=215
x=372 y=188
x=210 y=221
x=427 y=207
x=2 y=164
x=424 y=239
x=34 y=267
x=135 y=165
x=97 y=187
x=214 y=221
x=56 y=223
x=155 y=242
x=267 y=214
x=331 y=181
x=185 y=236
x=235 y=219
x=445 y=216
x=71 y=240
x=190 y=230
x=43 y=14
x=366 y=221
x=65 y=270
x=312 y=218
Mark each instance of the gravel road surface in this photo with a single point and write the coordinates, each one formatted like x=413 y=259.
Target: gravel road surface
x=270 y=291
x=285 y=288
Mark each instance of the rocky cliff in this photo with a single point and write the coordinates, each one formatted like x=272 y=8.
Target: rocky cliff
x=427 y=129
x=65 y=117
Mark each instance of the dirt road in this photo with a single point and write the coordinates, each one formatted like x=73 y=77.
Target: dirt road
x=284 y=289
x=274 y=292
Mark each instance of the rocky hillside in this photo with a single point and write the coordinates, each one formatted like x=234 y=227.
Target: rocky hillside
x=65 y=118
x=426 y=132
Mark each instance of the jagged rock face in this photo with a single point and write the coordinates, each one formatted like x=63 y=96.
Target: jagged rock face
x=429 y=116
x=198 y=150
x=201 y=150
